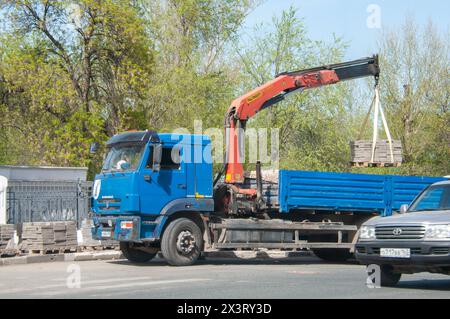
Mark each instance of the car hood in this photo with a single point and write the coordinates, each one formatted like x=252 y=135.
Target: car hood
x=425 y=217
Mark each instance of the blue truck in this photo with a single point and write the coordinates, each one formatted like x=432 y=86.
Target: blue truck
x=152 y=195
x=156 y=192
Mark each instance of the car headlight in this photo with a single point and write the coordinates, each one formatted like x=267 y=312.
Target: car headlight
x=367 y=232
x=437 y=231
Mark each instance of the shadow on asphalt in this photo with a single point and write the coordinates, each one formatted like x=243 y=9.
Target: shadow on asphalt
x=425 y=284
x=241 y=261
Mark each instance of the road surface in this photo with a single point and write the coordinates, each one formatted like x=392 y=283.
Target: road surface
x=305 y=277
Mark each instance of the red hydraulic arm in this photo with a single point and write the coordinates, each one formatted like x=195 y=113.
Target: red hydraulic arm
x=274 y=91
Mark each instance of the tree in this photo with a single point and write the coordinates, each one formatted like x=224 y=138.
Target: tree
x=79 y=72
x=415 y=91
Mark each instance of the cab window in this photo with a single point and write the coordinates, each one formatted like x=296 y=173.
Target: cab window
x=170 y=159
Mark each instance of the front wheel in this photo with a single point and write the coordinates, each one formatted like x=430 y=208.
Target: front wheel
x=389 y=278
x=331 y=254
x=182 y=242
x=134 y=254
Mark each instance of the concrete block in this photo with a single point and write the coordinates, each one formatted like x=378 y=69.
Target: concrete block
x=14 y=261
x=69 y=257
x=44 y=258
x=83 y=256
x=107 y=255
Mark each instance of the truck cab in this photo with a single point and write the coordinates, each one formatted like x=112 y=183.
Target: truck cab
x=147 y=180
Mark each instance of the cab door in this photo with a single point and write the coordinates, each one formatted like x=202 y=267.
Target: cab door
x=157 y=189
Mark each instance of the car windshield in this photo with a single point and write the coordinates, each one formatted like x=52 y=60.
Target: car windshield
x=433 y=198
x=123 y=157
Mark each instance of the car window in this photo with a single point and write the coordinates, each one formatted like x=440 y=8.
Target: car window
x=434 y=198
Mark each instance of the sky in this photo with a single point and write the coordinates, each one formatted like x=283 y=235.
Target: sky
x=359 y=22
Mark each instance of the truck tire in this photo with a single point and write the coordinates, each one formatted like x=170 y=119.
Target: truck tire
x=182 y=242
x=331 y=254
x=388 y=277
x=135 y=255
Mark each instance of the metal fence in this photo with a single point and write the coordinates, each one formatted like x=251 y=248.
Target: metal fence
x=35 y=201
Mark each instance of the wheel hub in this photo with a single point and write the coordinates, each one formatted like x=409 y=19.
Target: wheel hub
x=185 y=242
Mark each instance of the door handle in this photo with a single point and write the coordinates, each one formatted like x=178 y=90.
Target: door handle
x=147 y=178
x=181 y=186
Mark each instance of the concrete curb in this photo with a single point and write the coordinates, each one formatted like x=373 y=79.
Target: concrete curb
x=114 y=255
x=85 y=256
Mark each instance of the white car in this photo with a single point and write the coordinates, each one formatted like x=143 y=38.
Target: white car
x=416 y=240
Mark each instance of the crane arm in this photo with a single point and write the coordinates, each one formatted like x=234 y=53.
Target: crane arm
x=274 y=91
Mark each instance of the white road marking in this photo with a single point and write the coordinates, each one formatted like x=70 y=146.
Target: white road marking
x=83 y=282
x=121 y=286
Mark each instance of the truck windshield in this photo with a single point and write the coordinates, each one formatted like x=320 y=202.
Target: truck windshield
x=123 y=157
x=434 y=198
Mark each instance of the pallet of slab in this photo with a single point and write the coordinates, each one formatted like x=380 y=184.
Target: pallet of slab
x=361 y=152
x=49 y=236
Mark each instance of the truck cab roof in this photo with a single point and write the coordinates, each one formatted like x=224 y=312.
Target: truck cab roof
x=152 y=136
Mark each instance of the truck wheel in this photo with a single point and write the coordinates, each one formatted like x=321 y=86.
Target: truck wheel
x=330 y=254
x=388 y=277
x=182 y=242
x=135 y=255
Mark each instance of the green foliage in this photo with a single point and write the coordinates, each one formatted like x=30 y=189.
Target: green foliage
x=415 y=92
x=74 y=72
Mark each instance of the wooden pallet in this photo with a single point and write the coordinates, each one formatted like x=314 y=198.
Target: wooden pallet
x=97 y=247
x=47 y=251
x=8 y=252
x=368 y=164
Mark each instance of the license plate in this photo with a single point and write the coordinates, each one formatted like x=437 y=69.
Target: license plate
x=395 y=252
x=106 y=234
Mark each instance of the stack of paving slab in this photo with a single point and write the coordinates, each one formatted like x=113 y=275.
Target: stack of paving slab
x=6 y=234
x=86 y=232
x=49 y=236
x=361 y=152
x=88 y=241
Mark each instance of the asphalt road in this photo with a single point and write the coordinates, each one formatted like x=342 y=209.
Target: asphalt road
x=305 y=277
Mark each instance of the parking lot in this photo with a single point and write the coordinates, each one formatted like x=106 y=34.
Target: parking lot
x=303 y=277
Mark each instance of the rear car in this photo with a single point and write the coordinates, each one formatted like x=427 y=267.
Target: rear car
x=416 y=240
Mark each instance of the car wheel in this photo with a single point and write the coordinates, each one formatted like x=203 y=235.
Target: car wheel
x=389 y=278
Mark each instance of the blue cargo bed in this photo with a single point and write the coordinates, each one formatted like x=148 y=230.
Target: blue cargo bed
x=347 y=191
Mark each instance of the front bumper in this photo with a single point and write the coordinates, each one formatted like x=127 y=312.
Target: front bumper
x=110 y=228
x=427 y=253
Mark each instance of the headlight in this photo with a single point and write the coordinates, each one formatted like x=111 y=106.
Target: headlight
x=437 y=231
x=367 y=232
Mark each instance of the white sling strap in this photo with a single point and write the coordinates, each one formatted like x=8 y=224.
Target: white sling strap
x=379 y=110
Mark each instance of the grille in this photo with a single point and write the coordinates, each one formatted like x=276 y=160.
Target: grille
x=400 y=232
x=110 y=204
x=440 y=251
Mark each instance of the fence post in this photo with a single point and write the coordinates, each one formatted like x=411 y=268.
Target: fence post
x=78 y=203
x=3 y=190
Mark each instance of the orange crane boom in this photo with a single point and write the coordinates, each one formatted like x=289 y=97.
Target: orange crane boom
x=274 y=91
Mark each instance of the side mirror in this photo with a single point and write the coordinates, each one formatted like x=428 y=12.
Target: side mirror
x=94 y=147
x=157 y=156
x=403 y=208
